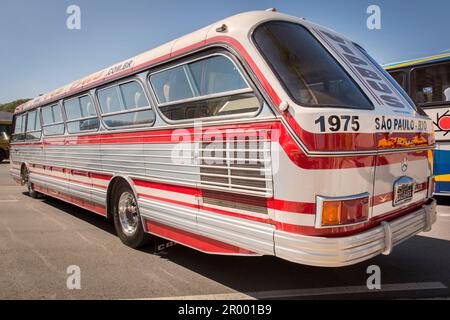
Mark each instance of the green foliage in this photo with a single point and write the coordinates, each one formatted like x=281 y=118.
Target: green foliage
x=10 y=106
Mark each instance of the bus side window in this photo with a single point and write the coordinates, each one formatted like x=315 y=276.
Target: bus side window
x=401 y=78
x=33 y=126
x=124 y=105
x=81 y=114
x=431 y=84
x=19 y=128
x=52 y=119
x=207 y=87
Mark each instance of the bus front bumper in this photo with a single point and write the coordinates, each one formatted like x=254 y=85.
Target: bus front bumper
x=337 y=252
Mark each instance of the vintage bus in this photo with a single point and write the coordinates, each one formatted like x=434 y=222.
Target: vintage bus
x=427 y=80
x=261 y=134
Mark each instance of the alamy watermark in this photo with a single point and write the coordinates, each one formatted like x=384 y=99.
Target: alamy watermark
x=74 y=279
x=374 y=279
x=374 y=19
x=73 y=21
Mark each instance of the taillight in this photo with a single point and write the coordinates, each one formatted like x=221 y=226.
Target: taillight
x=342 y=211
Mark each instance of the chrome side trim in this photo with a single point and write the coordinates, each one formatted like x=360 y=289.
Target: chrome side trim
x=169 y=214
x=251 y=235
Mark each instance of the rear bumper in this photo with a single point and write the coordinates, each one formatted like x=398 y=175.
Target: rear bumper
x=337 y=252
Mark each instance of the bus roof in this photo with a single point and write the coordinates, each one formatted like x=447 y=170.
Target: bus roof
x=237 y=27
x=416 y=62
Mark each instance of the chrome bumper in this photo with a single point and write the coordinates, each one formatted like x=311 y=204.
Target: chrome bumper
x=337 y=252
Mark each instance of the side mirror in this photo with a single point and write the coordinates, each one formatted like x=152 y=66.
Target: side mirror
x=4 y=136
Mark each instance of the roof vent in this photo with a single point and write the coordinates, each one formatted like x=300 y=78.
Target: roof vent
x=222 y=28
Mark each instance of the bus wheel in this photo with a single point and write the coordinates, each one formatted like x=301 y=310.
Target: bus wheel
x=127 y=220
x=26 y=181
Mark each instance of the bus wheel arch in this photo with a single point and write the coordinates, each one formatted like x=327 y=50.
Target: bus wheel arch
x=123 y=209
x=115 y=181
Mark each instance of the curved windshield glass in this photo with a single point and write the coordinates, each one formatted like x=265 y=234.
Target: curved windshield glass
x=307 y=70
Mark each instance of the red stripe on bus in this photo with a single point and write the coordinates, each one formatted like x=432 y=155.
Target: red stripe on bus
x=292 y=206
x=195 y=241
x=96 y=208
x=349 y=230
x=206 y=208
x=166 y=187
x=70 y=180
x=389 y=196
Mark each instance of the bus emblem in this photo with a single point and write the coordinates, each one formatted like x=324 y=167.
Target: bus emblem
x=404 y=165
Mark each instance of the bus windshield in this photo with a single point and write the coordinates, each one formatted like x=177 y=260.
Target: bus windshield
x=309 y=73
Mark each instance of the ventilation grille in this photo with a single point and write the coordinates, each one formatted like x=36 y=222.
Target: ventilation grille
x=240 y=164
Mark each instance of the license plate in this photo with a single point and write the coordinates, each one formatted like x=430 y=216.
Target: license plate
x=403 y=190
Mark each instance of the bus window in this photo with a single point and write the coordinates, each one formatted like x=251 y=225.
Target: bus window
x=401 y=78
x=125 y=105
x=19 y=128
x=310 y=74
x=52 y=120
x=33 y=126
x=431 y=84
x=209 y=87
x=171 y=85
x=81 y=114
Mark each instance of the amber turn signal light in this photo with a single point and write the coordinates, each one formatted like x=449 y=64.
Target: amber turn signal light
x=336 y=212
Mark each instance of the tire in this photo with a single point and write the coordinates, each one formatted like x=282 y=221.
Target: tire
x=127 y=220
x=26 y=181
x=2 y=156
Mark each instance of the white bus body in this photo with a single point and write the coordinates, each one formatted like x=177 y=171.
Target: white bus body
x=261 y=134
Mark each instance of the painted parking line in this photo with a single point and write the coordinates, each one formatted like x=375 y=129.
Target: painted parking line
x=314 y=292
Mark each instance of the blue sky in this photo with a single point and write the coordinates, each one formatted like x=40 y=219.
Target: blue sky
x=38 y=53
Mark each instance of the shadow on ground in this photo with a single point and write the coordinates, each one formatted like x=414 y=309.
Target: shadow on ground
x=419 y=260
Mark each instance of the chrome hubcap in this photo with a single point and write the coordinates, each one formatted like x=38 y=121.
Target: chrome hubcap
x=128 y=213
x=26 y=180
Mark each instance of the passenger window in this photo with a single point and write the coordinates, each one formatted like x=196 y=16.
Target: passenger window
x=215 y=75
x=52 y=120
x=19 y=128
x=81 y=114
x=171 y=85
x=109 y=100
x=133 y=96
x=33 y=126
x=128 y=100
x=213 y=85
x=431 y=85
x=130 y=119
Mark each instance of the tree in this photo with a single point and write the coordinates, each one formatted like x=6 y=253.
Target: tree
x=10 y=106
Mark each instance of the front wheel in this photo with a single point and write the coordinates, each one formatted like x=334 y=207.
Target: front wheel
x=127 y=220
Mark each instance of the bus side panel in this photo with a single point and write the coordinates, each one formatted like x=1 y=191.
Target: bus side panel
x=442 y=168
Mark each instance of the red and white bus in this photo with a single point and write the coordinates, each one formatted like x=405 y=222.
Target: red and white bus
x=261 y=134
